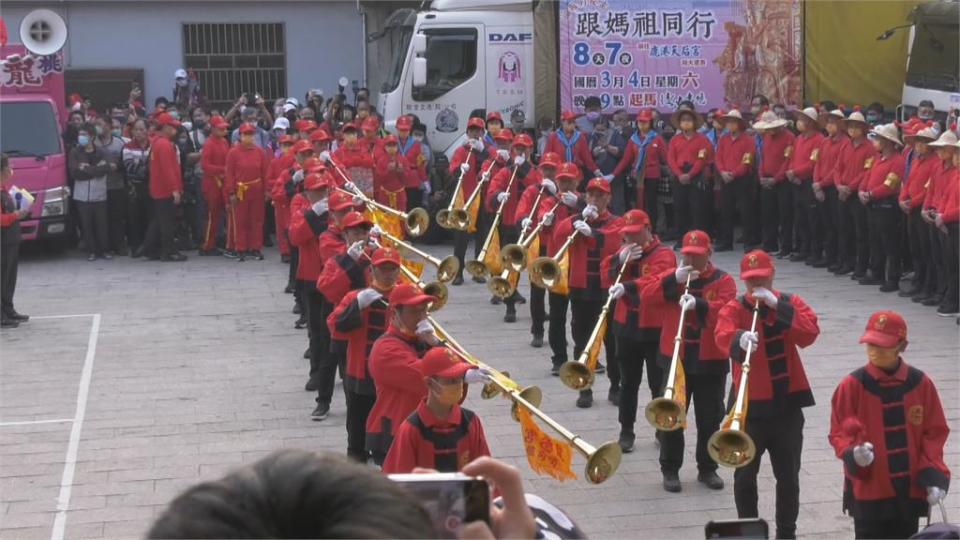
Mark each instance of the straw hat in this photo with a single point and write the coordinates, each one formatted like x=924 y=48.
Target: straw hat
x=888 y=132
x=810 y=113
x=947 y=138
x=930 y=133
x=856 y=117
x=734 y=114
x=697 y=119
x=769 y=120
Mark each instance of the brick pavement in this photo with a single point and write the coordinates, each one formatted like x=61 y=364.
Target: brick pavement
x=198 y=370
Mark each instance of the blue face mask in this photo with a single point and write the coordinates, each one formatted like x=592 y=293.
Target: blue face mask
x=83 y=140
x=593 y=116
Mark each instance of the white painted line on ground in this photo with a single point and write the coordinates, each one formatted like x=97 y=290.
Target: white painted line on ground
x=32 y=422
x=69 y=468
x=37 y=317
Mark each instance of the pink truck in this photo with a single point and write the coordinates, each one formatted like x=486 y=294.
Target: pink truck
x=32 y=117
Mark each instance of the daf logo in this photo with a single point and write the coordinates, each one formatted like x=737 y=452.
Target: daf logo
x=510 y=37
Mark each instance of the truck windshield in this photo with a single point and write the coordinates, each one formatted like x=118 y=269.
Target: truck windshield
x=399 y=41
x=28 y=129
x=934 y=63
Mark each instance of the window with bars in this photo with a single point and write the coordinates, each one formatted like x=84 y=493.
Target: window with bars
x=231 y=59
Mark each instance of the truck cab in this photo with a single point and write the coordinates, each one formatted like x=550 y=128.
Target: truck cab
x=457 y=57
x=32 y=116
x=933 y=59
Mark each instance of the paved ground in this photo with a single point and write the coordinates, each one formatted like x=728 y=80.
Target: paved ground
x=184 y=372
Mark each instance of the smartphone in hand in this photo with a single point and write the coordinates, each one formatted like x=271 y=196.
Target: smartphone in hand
x=451 y=499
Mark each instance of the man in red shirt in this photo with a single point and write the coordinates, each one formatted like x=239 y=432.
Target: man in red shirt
x=646 y=149
x=166 y=189
x=417 y=182
x=879 y=194
x=736 y=154
x=390 y=175
x=776 y=207
x=689 y=155
x=439 y=434
x=572 y=145
x=355 y=160
x=246 y=172
x=466 y=165
x=942 y=216
x=281 y=211
x=213 y=161
x=922 y=166
x=803 y=157
x=825 y=192
x=856 y=157
x=887 y=426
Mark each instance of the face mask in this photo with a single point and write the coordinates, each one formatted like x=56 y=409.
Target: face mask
x=593 y=116
x=117 y=133
x=174 y=114
x=83 y=140
x=418 y=138
x=872 y=118
x=925 y=115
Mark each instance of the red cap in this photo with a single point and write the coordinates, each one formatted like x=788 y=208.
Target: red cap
x=696 y=243
x=504 y=135
x=757 y=263
x=476 y=123
x=165 y=119
x=634 y=221
x=354 y=219
x=310 y=163
x=340 y=201
x=287 y=139
x=405 y=123
x=569 y=170
x=598 y=184
x=370 y=123
x=385 y=255
x=523 y=140
x=218 y=122
x=495 y=115
x=407 y=294
x=550 y=159
x=645 y=115
x=320 y=135
x=315 y=181
x=302 y=146
x=247 y=129
x=442 y=362
x=885 y=329
x=349 y=126
x=305 y=125
x=568 y=116
x=390 y=139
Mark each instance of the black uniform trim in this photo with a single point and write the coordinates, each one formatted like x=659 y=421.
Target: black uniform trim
x=444 y=444
x=350 y=318
x=932 y=477
x=379 y=443
x=317 y=223
x=353 y=269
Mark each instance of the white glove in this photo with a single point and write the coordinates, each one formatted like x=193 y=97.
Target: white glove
x=525 y=223
x=424 y=327
x=630 y=252
x=298 y=176
x=376 y=230
x=367 y=297
x=590 y=212
x=320 y=207
x=687 y=302
x=503 y=154
x=935 y=495
x=426 y=187
x=569 y=198
x=863 y=454
x=464 y=168
x=548 y=219
x=582 y=227
x=682 y=272
x=749 y=340
x=520 y=160
x=350 y=186
x=597 y=172
x=768 y=297
x=608 y=177
x=358 y=200
x=549 y=185
x=617 y=291
x=478 y=145
x=355 y=251
x=325 y=155
x=478 y=376
x=501 y=197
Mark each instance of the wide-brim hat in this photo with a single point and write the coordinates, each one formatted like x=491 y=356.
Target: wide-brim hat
x=947 y=138
x=769 y=120
x=735 y=115
x=678 y=115
x=888 y=132
x=929 y=133
x=809 y=113
x=856 y=117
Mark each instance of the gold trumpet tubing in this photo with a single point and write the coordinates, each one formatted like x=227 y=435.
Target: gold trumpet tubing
x=533 y=212
x=459 y=183
x=489 y=239
x=677 y=342
x=411 y=248
x=484 y=178
x=526 y=240
x=503 y=382
x=736 y=413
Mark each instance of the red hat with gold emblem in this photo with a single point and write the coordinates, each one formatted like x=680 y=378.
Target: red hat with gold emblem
x=477 y=123
x=598 y=184
x=551 y=159
x=757 y=263
x=340 y=201
x=166 y=119
x=370 y=124
x=315 y=181
x=247 y=129
x=568 y=116
x=885 y=329
x=217 y=121
x=320 y=135
x=645 y=115
x=408 y=294
x=634 y=221
x=390 y=140
x=355 y=219
x=494 y=116
x=442 y=362
x=302 y=146
x=405 y=123
x=569 y=170
x=287 y=140
x=385 y=255
x=523 y=140
x=505 y=135
x=696 y=243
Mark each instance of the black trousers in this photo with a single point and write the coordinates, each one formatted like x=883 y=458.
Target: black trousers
x=862 y=231
x=782 y=437
x=139 y=213
x=776 y=212
x=585 y=314
x=825 y=233
x=690 y=205
x=316 y=309
x=558 y=327
x=885 y=528
x=853 y=244
x=93 y=223
x=358 y=409
x=631 y=356
x=938 y=284
x=9 y=263
x=461 y=238
x=329 y=356
x=918 y=242
x=414 y=197
x=705 y=393
x=162 y=228
x=951 y=255
x=736 y=198
x=117 y=205
x=651 y=188
x=803 y=202
x=884 y=231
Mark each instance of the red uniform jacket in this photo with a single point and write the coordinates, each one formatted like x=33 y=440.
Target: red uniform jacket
x=395 y=368
x=277 y=168
x=632 y=317
x=246 y=166
x=777 y=379
x=527 y=176
x=417 y=173
x=586 y=254
x=937 y=184
x=654 y=156
x=165 y=174
x=883 y=178
x=775 y=155
x=340 y=275
x=950 y=202
x=921 y=170
x=804 y=154
x=736 y=155
x=855 y=160
x=713 y=290
x=573 y=148
x=473 y=159
x=689 y=155
x=901 y=415
x=442 y=444
x=357 y=156
x=360 y=328
x=824 y=172
x=389 y=182
x=213 y=161
x=305 y=229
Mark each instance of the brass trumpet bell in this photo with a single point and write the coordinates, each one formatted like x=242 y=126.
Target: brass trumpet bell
x=665 y=414
x=603 y=462
x=576 y=375
x=532 y=394
x=545 y=272
x=731 y=448
x=514 y=257
x=439 y=291
x=477 y=269
x=448 y=268
x=417 y=221
x=459 y=219
x=500 y=286
x=443 y=218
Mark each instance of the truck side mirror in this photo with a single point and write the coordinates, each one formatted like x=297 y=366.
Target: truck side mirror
x=419 y=72
x=419 y=43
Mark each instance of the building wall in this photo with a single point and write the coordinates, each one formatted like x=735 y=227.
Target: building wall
x=324 y=39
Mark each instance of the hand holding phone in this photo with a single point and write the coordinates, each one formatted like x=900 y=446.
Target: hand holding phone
x=453 y=500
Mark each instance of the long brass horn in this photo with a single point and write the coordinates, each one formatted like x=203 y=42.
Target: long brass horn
x=477 y=267
x=415 y=222
x=446 y=269
x=434 y=288
x=514 y=256
x=545 y=271
x=730 y=446
x=500 y=285
x=667 y=413
x=443 y=216
x=459 y=218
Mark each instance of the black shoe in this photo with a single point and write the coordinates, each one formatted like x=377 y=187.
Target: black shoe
x=312 y=385
x=671 y=482
x=256 y=254
x=626 y=442
x=241 y=256
x=107 y=257
x=869 y=280
x=613 y=395
x=911 y=291
x=933 y=300
x=458 y=280
x=833 y=268
x=210 y=252
x=585 y=400
x=321 y=412
x=288 y=289
x=268 y=242
x=783 y=254
x=948 y=311
x=122 y=252
x=9 y=323
x=479 y=279
x=176 y=257
x=858 y=275
x=889 y=287
x=710 y=479
x=600 y=369
x=230 y=254
x=798 y=256
x=843 y=270
x=920 y=297
x=19 y=317
x=537 y=341
x=723 y=247
x=822 y=263
x=496 y=300
x=297 y=308
x=301 y=323
x=285 y=259
x=555 y=370
x=511 y=316
x=520 y=299
x=306 y=353
x=137 y=253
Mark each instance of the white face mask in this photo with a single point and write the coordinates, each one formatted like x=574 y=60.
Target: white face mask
x=418 y=138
